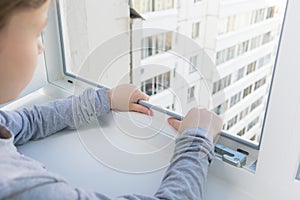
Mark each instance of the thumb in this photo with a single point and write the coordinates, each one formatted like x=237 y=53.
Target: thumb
x=175 y=123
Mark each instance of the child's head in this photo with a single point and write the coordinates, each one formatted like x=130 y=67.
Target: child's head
x=21 y=22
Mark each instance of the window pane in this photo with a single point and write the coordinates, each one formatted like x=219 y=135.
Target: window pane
x=241 y=43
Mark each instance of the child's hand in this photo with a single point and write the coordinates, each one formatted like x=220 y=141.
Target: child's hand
x=125 y=97
x=199 y=117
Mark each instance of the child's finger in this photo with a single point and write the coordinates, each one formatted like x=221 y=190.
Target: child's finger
x=139 y=108
x=175 y=123
x=138 y=95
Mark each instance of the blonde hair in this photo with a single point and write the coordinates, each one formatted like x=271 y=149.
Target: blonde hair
x=8 y=7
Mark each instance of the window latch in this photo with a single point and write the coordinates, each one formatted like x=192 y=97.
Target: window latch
x=230 y=156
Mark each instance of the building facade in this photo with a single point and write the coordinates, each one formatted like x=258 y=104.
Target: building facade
x=240 y=40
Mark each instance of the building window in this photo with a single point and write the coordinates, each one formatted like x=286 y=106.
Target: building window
x=263 y=61
x=242 y=132
x=253 y=138
x=168 y=43
x=193 y=64
x=235 y=99
x=191 y=94
x=223 y=25
x=239 y=74
x=247 y=91
x=259 y=15
x=144 y=6
x=230 y=53
x=259 y=83
x=270 y=12
x=256 y=104
x=156 y=84
x=255 y=42
x=196 y=30
x=251 y=67
x=232 y=122
x=221 y=84
x=159 y=43
x=220 y=57
x=231 y=23
x=242 y=48
x=244 y=113
x=221 y=108
x=253 y=123
x=156 y=44
x=267 y=37
x=234 y=22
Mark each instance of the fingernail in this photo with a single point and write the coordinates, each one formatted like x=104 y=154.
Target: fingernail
x=149 y=112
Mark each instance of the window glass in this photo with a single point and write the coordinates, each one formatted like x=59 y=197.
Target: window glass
x=235 y=61
x=193 y=64
x=196 y=30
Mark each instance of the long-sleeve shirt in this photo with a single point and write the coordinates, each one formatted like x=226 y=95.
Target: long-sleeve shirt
x=24 y=178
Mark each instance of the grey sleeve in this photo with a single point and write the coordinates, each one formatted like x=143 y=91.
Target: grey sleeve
x=184 y=179
x=41 y=121
x=186 y=176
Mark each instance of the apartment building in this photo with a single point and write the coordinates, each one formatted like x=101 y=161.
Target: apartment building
x=239 y=38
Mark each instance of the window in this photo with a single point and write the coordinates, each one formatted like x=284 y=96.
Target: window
x=264 y=60
x=239 y=74
x=196 y=30
x=156 y=44
x=159 y=43
x=255 y=42
x=247 y=91
x=245 y=19
x=244 y=113
x=191 y=94
x=259 y=15
x=259 y=83
x=168 y=41
x=253 y=138
x=270 y=12
x=147 y=49
x=231 y=23
x=253 y=123
x=221 y=84
x=169 y=4
x=220 y=57
x=221 y=108
x=230 y=53
x=223 y=25
x=256 y=104
x=145 y=6
x=267 y=37
x=251 y=67
x=242 y=48
x=235 y=99
x=232 y=122
x=193 y=64
x=237 y=56
x=156 y=84
x=242 y=132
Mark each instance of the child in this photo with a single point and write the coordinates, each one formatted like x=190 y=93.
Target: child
x=21 y=22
